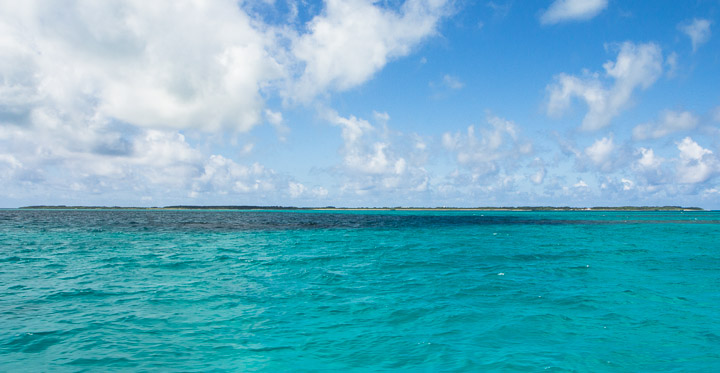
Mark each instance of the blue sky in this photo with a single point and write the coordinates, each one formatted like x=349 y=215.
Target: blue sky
x=360 y=103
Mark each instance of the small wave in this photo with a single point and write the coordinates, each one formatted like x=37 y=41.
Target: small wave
x=80 y=293
x=270 y=348
x=34 y=342
x=104 y=362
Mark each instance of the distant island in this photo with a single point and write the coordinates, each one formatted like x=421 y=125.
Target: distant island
x=333 y=208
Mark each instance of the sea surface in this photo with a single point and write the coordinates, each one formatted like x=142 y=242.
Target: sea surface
x=199 y=291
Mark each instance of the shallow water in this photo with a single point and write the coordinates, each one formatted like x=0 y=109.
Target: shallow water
x=417 y=291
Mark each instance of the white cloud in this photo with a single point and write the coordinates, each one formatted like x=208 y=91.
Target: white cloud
x=539 y=176
x=190 y=64
x=580 y=184
x=143 y=63
x=319 y=192
x=300 y=193
x=489 y=152
x=353 y=39
x=600 y=152
x=372 y=161
x=637 y=66
x=648 y=160
x=627 y=184
x=695 y=164
x=221 y=175
x=670 y=122
x=296 y=189
x=165 y=157
x=620 y=190
x=572 y=10
x=275 y=118
x=698 y=30
x=690 y=150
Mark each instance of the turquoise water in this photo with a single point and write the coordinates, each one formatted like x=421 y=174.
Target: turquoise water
x=358 y=291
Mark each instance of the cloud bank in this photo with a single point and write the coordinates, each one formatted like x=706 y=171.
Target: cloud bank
x=103 y=91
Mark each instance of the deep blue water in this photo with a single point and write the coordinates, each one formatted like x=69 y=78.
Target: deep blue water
x=359 y=291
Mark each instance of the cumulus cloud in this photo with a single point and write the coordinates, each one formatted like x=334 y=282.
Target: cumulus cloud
x=621 y=190
x=371 y=161
x=603 y=155
x=648 y=160
x=669 y=122
x=572 y=10
x=92 y=147
x=487 y=149
x=298 y=190
x=698 y=30
x=642 y=176
x=275 y=118
x=222 y=175
x=122 y=163
x=600 y=152
x=627 y=184
x=76 y=157
x=695 y=164
x=636 y=66
x=143 y=63
x=353 y=39
x=649 y=166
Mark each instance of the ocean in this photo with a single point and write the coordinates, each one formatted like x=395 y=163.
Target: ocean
x=198 y=291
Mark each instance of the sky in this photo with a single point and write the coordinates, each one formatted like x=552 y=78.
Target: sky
x=358 y=103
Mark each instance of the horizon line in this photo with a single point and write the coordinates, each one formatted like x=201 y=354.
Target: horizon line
x=383 y=208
